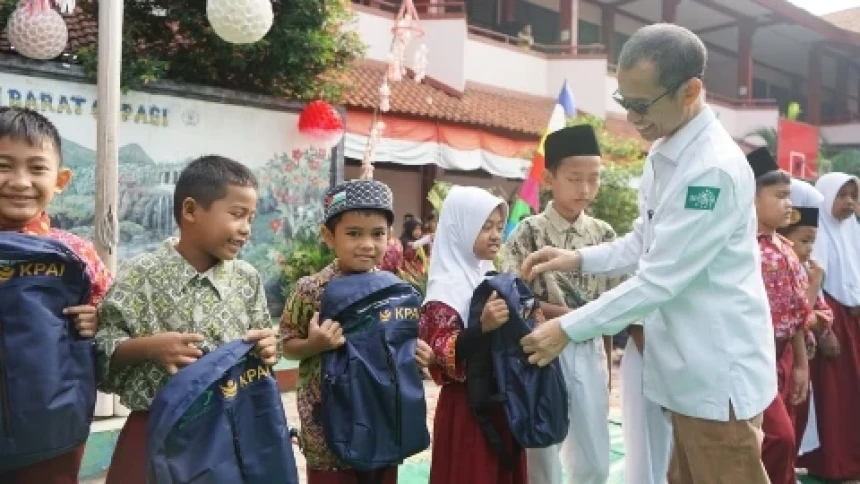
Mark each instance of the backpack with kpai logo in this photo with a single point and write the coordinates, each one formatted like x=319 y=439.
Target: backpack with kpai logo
x=535 y=398
x=220 y=420
x=47 y=371
x=373 y=410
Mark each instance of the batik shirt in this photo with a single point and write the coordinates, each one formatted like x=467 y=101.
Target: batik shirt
x=782 y=272
x=160 y=292
x=300 y=308
x=549 y=228
x=100 y=278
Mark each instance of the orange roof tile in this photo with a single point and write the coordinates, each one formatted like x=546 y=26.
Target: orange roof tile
x=848 y=19
x=479 y=105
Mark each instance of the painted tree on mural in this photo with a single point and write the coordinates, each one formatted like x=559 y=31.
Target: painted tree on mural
x=300 y=57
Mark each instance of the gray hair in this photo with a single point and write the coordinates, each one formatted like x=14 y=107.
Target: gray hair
x=677 y=53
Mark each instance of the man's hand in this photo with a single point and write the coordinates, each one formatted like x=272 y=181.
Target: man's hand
x=800 y=385
x=175 y=350
x=267 y=344
x=85 y=318
x=495 y=313
x=326 y=336
x=424 y=354
x=545 y=343
x=549 y=259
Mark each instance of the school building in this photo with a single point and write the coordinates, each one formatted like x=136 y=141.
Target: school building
x=487 y=98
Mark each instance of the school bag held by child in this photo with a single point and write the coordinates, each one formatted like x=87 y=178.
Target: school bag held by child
x=220 y=420
x=373 y=408
x=534 y=398
x=47 y=371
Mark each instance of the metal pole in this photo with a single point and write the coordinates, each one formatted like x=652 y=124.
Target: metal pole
x=107 y=143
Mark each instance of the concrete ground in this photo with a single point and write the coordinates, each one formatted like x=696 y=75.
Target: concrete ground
x=432 y=394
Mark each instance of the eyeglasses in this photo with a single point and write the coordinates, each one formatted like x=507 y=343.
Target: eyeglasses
x=642 y=107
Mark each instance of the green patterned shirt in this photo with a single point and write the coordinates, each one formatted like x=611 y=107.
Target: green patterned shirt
x=159 y=292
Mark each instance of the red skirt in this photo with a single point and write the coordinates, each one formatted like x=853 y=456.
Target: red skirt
x=62 y=469
x=836 y=382
x=128 y=463
x=779 y=449
x=461 y=453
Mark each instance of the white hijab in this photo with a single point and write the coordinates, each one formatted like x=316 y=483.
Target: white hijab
x=455 y=271
x=836 y=246
x=805 y=195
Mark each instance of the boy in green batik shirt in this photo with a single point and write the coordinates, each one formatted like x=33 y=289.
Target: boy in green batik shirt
x=189 y=296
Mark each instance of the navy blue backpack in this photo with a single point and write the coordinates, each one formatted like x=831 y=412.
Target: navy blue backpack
x=373 y=410
x=534 y=398
x=220 y=421
x=47 y=371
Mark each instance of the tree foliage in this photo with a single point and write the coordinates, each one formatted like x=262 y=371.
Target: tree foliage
x=300 y=58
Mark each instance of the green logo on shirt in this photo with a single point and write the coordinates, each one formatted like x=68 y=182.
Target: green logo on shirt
x=701 y=198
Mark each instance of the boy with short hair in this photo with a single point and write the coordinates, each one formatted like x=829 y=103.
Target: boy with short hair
x=31 y=174
x=358 y=216
x=573 y=164
x=189 y=296
x=790 y=309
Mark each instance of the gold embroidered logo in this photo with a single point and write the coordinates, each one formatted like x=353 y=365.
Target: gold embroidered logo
x=385 y=316
x=229 y=390
x=795 y=216
x=6 y=273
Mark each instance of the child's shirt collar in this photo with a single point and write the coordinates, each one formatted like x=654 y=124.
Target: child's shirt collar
x=40 y=225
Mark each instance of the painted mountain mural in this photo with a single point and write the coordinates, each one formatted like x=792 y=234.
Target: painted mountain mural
x=292 y=186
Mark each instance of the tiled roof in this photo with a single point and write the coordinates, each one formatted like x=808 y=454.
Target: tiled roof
x=83 y=32
x=478 y=105
x=848 y=19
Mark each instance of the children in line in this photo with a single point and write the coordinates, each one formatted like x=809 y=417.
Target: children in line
x=31 y=175
x=468 y=238
x=836 y=380
x=190 y=296
x=573 y=164
x=358 y=216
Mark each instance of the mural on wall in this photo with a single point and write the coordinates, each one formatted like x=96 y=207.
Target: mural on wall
x=159 y=135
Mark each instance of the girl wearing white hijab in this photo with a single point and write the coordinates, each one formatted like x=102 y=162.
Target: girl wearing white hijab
x=467 y=240
x=837 y=380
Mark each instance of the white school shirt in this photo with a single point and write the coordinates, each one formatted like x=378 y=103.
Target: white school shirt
x=698 y=289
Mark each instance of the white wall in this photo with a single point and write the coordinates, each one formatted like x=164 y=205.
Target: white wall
x=740 y=122
x=842 y=134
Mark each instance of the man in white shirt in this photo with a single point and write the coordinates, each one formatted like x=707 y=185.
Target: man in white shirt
x=709 y=349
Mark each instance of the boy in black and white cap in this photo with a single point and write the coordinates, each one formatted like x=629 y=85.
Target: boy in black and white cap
x=358 y=216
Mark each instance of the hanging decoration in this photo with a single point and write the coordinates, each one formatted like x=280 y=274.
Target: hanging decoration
x=406 y=28
x=240 y=21
x=38 y=31
x=321 y=124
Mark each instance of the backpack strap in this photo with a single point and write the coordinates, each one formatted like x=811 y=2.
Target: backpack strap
x=192 y=381
x=344 y=291
x=481 y=388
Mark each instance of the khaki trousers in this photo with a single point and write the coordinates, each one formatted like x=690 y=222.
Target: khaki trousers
x=712 y=452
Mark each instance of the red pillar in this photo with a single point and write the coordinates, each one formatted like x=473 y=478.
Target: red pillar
x=607 y=32
x=813 y=88
x=507 y=11
x=670 y=11
x=746 y=32
x=842 y=74
x=565 y=21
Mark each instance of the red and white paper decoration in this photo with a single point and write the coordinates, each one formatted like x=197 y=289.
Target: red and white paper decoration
x=38 y=31
x=321 y=125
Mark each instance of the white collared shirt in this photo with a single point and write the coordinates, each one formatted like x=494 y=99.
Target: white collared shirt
x=698 y=289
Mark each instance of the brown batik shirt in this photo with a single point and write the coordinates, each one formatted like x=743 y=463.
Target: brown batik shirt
x=549 y=228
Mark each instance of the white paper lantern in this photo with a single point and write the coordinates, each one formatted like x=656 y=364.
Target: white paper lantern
x=240 y=21
x=39 y=35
